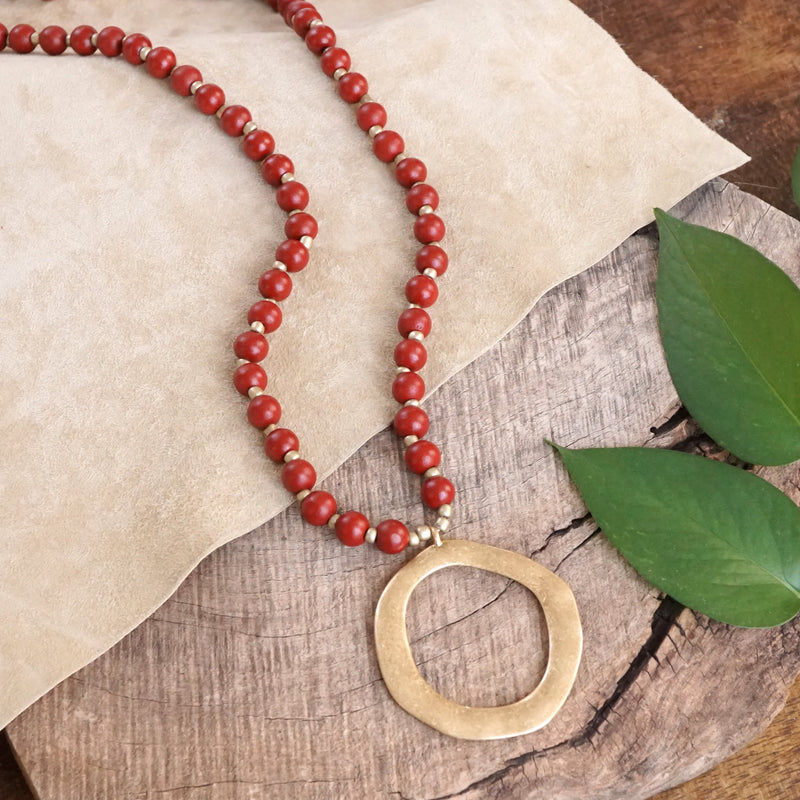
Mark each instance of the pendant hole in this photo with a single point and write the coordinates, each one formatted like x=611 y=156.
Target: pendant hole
x=477 y=637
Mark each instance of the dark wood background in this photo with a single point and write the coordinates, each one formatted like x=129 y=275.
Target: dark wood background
x=736 y=65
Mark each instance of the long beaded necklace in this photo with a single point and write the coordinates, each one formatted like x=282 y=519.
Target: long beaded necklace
x=422 y=457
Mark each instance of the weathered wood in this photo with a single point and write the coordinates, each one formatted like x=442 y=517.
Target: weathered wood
x=767 y=768
x=257 y=679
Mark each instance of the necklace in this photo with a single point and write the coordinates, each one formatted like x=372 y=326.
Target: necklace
x=422 y=457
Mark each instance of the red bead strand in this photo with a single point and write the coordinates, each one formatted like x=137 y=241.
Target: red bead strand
x=292 y=255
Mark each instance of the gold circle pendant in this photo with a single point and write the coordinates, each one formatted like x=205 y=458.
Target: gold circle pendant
x=413 y=693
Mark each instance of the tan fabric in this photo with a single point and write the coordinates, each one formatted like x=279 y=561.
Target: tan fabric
x=133 y=233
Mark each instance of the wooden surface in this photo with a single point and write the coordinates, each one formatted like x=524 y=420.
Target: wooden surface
x=257 y=679
x=735 y=65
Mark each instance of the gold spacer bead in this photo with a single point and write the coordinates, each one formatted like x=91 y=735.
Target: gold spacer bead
x=292 y=455
x=220 y=111
x=93 y=40
x=442 y=523
x=301 y=495
x=433 y=472
x=417 y=336
x=430 y=272
x=365 y=98
x=332 y=520
x=279 y=265
x=339 y=73
x=399 y=157
x=371 y=535
x=255 y=391
x=424 y=532
x=401 y=370
x=374 y=131
x=426 y=209
x=409 y=440
x=412 y=402
x=240 y=362
x=68 y=41
x=307 y=241
x=445 y=511
x=287 y=177
x=258 y=327
x=144 y=52
x=413 y=305
x=268 y=430
x=34 y=39
x=413 y=540
x=314 y=23
x=195 y=86
x=249 y=127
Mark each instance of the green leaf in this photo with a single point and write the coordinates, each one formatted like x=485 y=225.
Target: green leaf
x=718 y=539
x=730 y=324
x=796 y=177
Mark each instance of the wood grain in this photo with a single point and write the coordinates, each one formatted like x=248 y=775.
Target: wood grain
x=257 y=679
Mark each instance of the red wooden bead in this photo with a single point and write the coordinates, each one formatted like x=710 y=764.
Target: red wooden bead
x=109 y=41
x=251 y=345
x=421 y=195
x=160 y=62
x=291 y=7
x=411 y=354
x=318 y=507
x=131 y=45
x=293 y=254
x=352 y=87
x=249 y=375
x=422 y=456
x=267 y=313
x=432 y=257
x=263 y=411
x=409 y=171
x=392 y=536
x=422 y=290
x=320 y=38
x=428 y=228
x=351 y=527
x=80 y=40
x=3 y=36
x=275 y=167
x=233 y=120
x=209 y=98
x=302 y=20
x=414 y=319
x=275 y=284
x=301 y=224
x=334 y=58
x=411 y=421
x=437 y=491
x=371 y=114
x=183 y=77
x=258 y=144
x=20 y=38
x=298 y=475
x=53 y=40
x=292 y=195
x=387 y=145
x=408 y=386
x=278 y=443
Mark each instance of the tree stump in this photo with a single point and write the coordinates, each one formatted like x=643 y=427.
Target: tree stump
x=258 y=678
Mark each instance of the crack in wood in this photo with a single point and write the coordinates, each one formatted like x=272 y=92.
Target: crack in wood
x=664 y=619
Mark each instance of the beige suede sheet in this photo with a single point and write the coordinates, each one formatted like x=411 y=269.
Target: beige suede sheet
x=132 y=235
